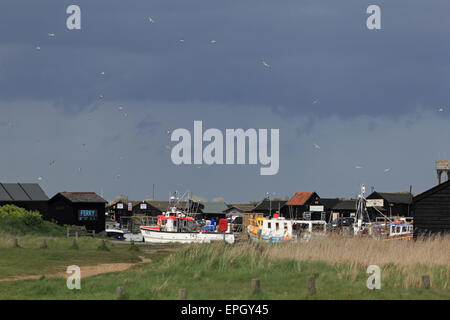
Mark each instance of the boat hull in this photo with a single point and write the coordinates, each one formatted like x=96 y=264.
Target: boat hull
x=154 y=236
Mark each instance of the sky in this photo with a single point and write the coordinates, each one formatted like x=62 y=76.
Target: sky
x=353 y=106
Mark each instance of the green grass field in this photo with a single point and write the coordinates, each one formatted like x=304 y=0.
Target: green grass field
x=208 y=271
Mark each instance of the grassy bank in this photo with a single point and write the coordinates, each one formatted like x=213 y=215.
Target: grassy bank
x=218 y=271
x=18 y=221
x=31 y=259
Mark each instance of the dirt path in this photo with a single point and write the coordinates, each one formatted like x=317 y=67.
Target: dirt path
x=86 y=271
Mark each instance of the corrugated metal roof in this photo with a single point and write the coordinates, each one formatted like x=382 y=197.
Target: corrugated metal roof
x=21 y=192
x=4 y=196
x=16 y=192
x=34 y=191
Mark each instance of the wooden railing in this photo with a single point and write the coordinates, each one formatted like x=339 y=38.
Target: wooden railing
x=79 y=231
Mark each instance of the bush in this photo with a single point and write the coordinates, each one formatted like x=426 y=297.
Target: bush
x=18 y=221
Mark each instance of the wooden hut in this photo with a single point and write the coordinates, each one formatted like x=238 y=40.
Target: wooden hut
x=78 y=208
x=268 y=207
x=390 y=204
x=302 y=203
x=239 y=209
x=213 y=210
x=431 y=211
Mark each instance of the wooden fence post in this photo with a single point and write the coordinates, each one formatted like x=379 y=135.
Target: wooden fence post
x=426 y=281
x=44 y=244
x=74 y=244
x=182 y=294
x=121 y=293
x=16 y=243
x=255 y=286
x=103 y=246
x=311 y=285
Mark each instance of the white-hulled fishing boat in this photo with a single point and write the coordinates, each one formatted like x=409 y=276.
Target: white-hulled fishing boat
x=175 y=225
x=278 y=229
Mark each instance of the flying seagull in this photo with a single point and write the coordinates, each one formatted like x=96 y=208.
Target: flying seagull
x=316 y=146
x=51 y=34
x=151 y=20
x=265 y=64
x=213 y=41
x=358 y=167
x=38 y=48
x=441 y=110
x=181 y=40
x=101 y=96
x=316 y=101
x=387 y=169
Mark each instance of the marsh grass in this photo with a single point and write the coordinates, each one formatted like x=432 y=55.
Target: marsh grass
x=218 y=271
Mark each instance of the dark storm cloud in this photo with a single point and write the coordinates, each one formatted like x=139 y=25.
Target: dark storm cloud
x=377 y=93
x=316 y=49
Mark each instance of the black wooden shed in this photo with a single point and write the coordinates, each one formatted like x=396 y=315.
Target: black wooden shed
x=29 y=196
x=78 y=208
x=431 y=210
x=389 y=204
x=268 y=207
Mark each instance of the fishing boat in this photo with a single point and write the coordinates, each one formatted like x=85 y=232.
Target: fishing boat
x=399 y=230
x=177 y=225
x=255 y=227
x=391 y=228
x=279 y=230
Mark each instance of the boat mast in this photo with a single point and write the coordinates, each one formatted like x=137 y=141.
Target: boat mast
x=361 y=210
